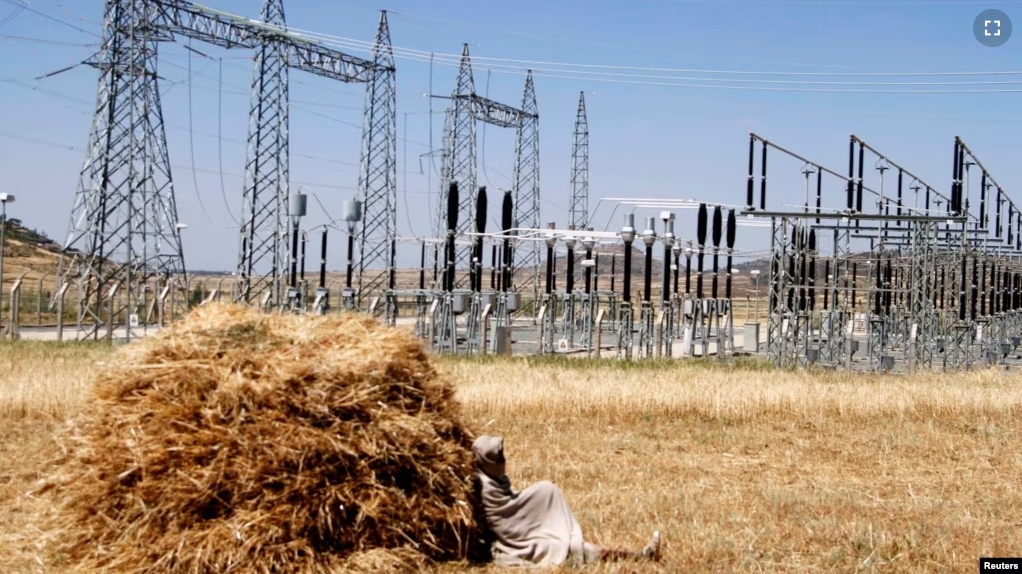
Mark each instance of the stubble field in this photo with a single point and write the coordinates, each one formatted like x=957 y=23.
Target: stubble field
x=742 y=468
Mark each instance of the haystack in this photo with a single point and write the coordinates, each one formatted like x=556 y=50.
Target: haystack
x=241 y=442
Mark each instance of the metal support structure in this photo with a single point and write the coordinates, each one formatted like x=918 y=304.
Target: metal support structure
x=124 y=225
x=458 y=162
x=578 y=202
x=525 y=265
x=377 y=177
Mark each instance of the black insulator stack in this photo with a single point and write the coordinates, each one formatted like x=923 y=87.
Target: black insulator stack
x=392 y=281
x=1011 y=229
x=879 y=284
x=476 y=269
x=851 y=174
x=983 y=201
x=855 y=278
x=858 y=186
x=888 y=287
x=819 y=193
x=452 y=226
x=943 y=285
x=762 y=179
x=900 y=192
x=961 y=175
x=997 y=218
x=627 y=289
x=718 y=224
x=751 y=185
x=812 y=270
x=993 y=288
x=826 y=283
x=507 y=221
x=647 y=285
x=730 y=239
x=793 y=259
x=962 y=300
x=802 y=271
x=955 y=179
x=974 y=289
x=701 y=240
x=1005 y=292
x=493 y=267
x=983 y=288
x=569 y=280
x=688 y=273
x=322 y=261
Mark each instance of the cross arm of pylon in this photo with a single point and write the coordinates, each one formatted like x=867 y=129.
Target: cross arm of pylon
x=495 y=113
x=230 y=31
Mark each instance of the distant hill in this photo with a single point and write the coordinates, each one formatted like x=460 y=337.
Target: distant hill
x=28 y=251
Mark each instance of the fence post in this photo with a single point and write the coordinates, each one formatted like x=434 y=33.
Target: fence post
x=39 y=301
x=541 y=332
x=15 y=307
x=60 y=311
x=110 y=321
x=485 y=333
x=161 y=304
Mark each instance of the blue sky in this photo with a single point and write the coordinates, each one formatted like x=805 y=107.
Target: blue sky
x=668 y=141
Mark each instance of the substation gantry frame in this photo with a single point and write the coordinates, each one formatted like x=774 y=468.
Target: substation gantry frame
x=931 y=296
x=124 y=231
x=458 y=165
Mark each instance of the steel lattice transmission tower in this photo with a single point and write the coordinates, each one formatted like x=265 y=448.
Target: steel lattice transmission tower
x=526 y=190
x=458 y=162
x=264 y=241
x=124 y=228
x=459 y=155
x=579 y=208
x=377 y=179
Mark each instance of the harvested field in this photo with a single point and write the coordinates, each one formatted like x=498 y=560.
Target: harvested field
x=743 y=469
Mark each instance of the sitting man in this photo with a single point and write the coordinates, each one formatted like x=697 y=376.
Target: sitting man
x=535 y=527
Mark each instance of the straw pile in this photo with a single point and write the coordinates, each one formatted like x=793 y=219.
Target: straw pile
x=240 y=442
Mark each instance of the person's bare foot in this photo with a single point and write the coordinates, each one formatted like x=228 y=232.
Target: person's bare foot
x=652 y=550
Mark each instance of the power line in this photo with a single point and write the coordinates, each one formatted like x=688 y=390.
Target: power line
x=220 y=143
x=590 y=78
x=25 y=6
x=71 y=98
x=573 y=67
x=191 y=139
x=76 y=148
x=45 y=41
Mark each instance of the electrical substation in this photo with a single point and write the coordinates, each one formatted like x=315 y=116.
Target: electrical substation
x=897 y=277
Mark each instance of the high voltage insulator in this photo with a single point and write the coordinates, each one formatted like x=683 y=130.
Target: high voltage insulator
x=717 y=233
x=812 y=270
x=452 y=226
x=701 y=242
x=731 y=230
x=507 y=220
x=476 y=269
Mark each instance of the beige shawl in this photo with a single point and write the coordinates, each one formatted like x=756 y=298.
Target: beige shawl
x=534 y=527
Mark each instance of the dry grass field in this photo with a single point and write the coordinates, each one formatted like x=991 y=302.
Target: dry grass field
x=742 y=468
